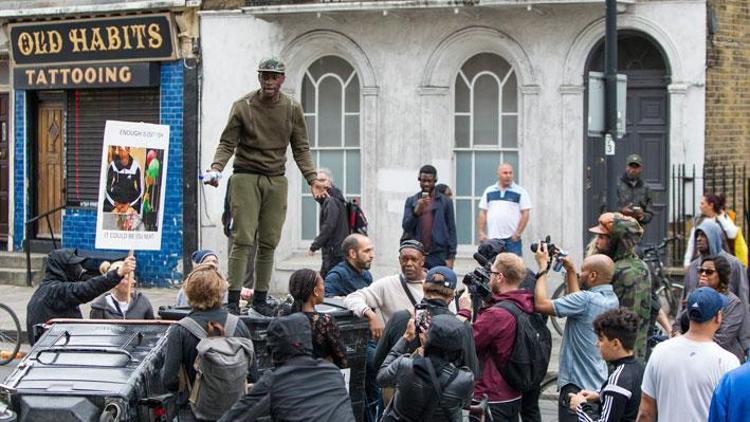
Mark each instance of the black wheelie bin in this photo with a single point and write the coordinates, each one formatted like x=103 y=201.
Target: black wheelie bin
x=92 y=370
x=354 y=334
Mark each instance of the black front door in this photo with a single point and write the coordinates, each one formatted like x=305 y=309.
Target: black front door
x=647 y=134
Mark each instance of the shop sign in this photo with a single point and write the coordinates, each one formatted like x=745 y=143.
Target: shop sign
x=128 y=38
x=107 y=75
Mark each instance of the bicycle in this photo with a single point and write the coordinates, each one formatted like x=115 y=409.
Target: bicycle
x=669 y=293
x=10 y=334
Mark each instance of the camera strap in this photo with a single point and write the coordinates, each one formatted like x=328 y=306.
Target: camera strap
x=406 y=289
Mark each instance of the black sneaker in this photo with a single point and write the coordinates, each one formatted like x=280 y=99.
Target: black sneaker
x=264 y=308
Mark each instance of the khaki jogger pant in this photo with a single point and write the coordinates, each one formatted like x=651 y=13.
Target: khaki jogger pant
x=258 y=204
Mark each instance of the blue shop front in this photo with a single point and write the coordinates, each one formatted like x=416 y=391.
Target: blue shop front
x=69 y=77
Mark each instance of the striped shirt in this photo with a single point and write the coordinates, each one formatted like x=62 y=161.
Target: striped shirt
x=620 y=395
x=504 y=208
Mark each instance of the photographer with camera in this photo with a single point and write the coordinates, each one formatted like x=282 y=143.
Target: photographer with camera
x=439 y=290
x=430 y=385
x=503 y=330
x=581 y=366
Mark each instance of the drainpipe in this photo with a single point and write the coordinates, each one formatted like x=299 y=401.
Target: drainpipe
x=610 y=101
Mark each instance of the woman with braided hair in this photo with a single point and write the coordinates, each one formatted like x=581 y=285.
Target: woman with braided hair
x=307 y=288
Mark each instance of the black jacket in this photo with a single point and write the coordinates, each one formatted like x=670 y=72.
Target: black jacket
x=619 y=396
x=59 y=297
x=334 y=224
x=635 y=194
x=139 y=308
x=415 y=396
x=181 y=344
x=300 y=388
x=396 y=328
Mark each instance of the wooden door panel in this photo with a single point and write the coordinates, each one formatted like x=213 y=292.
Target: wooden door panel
x=49 y=166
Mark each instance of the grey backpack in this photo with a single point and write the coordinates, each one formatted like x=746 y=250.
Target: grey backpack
x=220 y=369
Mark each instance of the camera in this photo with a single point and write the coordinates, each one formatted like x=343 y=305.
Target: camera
x=555 y=254
x=478 y=280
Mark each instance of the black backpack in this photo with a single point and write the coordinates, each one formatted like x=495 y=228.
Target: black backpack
x=527 y=365
x=356 y=217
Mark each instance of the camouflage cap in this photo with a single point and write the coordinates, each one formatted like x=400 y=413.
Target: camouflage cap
x=272 y=64
x=634 y=159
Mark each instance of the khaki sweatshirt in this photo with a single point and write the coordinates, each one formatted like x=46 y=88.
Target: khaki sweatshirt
x=258 y=135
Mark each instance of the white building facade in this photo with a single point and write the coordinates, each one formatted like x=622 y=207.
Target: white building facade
x=390 y=86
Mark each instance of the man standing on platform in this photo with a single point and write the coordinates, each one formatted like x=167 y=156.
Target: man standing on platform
x=261 y=126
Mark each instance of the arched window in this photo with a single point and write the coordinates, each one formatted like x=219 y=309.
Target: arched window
x=331 y=101
x=486 y=133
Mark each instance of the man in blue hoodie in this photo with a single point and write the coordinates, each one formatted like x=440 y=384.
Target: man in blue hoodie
x=708 y=241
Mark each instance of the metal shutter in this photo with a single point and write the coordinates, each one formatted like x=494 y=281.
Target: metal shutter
x=87 y=112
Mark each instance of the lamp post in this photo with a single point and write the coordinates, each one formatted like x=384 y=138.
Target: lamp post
x=610 y=101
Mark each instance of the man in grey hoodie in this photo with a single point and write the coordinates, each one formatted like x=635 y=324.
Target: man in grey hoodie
x=708 y=241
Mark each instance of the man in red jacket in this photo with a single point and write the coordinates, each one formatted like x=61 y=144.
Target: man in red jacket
x=495 y=333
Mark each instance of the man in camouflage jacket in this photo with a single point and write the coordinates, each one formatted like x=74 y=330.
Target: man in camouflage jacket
x=617 y=236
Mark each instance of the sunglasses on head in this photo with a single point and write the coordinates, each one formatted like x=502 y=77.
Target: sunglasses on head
x=706 y=271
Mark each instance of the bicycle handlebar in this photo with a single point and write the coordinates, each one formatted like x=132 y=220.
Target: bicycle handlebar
x=656 y=247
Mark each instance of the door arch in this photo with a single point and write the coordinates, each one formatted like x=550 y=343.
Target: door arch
x=647 y=129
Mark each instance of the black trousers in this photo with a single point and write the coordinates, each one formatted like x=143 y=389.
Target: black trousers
x=564 y=414
x=331 y=257
x=530 y=406
x=506 y=412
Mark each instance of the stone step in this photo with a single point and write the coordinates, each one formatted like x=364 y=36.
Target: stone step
x=18 y=260
x=17 y=276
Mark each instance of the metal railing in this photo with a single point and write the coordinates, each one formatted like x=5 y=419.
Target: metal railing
x=731 y=180
x=27 y=241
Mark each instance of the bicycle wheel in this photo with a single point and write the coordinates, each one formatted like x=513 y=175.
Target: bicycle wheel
x=558 y=323
x=548 y=389
x=670 y=297
x=10 y=334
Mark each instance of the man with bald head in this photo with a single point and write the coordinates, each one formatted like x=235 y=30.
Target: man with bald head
x=589 y=294
x=504 y=211
x=351 y=274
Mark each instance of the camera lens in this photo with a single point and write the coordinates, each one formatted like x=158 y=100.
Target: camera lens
x=534 y=246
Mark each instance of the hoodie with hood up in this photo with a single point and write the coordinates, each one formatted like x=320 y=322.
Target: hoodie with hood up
x=738 y=283
x=58 y=296
x=494 y=335
x=300 y=388
x=632 y=279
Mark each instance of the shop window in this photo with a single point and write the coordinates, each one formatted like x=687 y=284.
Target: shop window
x=486 y=133
x=331 y=102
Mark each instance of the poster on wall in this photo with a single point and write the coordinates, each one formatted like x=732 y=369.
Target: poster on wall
x=132 y=184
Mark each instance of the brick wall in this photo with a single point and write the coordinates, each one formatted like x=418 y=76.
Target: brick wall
x=19 y=169
x=163 y=267
x=728 y=90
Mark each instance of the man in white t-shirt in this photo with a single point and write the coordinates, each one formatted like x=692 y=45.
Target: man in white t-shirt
x=504 y=211
x=683 y=372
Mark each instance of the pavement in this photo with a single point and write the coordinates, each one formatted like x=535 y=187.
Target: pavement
x=16 y=297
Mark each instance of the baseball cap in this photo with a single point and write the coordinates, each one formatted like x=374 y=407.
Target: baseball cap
x=411 y=244
x=604 y=227
x=704 y=303
x=201 y=254
x=634 y=159
x=448 y=280
x=271 y=64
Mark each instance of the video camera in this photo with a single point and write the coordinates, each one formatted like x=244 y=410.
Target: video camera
x=478 y=281
x=555 y=254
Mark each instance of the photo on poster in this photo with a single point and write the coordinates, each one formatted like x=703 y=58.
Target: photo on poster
x=132 y=186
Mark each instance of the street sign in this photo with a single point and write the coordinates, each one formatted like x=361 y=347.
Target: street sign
x=609 y=145
x=596 y=116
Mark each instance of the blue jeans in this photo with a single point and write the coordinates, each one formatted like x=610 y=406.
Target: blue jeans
x=513 y=247
x=434 y=259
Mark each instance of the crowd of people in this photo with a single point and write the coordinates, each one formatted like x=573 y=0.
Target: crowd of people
x=433 y=354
